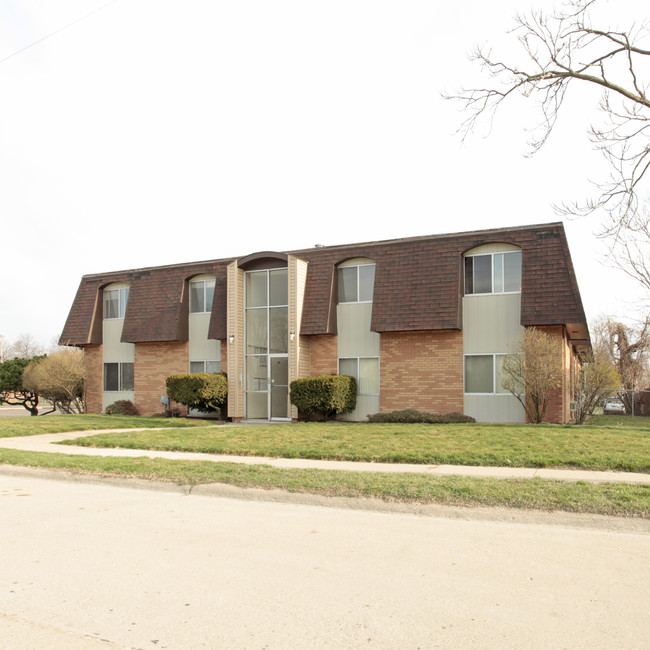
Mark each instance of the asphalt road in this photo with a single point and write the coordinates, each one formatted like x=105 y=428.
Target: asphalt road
x=97 y=566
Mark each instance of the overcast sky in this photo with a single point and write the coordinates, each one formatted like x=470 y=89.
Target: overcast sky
x=154 y=132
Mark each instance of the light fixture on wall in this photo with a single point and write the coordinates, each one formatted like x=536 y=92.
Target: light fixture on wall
x=231 y=338
x=292 y=335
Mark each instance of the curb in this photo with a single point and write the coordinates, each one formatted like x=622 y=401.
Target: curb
x=224 y=491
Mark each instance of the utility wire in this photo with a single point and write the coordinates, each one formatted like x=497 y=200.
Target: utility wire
x=58 y=31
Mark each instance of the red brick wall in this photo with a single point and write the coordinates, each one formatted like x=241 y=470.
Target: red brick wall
x=94 y=378
x=324 y=355
x=560 y=402
x=154 y=362
x=422 y=370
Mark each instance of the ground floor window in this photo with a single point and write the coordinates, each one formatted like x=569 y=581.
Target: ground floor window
x=118 y=377
x=483 y=373
x=365 y=370
x=205 y=366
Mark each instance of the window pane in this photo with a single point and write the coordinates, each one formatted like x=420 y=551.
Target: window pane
x=279 y=371
x=196 y=297
x=483 y=274
x=512 y=271
x=256 y=374
x=256 y=289
x=279 y=287
x=111 y=376
x=349 y=367
x=213 y=367
x=111 y=303
x=469 y=276
x=126 y=376
x=256 y=332
x=348 y=284
x=279 y=402
x=257 y=406
x=279 y=321
x=478 y=374
x=366 y=282
x=368 y=377
x=197 y=366
x=209 y=294
x=498 y=273
x=124 y=298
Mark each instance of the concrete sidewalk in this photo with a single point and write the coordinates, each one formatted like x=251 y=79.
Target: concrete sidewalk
x=46 y=443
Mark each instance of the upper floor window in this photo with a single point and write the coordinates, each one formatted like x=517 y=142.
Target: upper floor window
x=115 y=302
x=201 y=294
x=356 y=281
x=493 y=273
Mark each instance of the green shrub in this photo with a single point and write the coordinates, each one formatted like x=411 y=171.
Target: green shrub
x=122 y=407
x=412 y=416
x=203 y=391
x=326 y=394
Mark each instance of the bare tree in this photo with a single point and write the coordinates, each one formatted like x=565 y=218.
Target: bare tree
x=532 y=370
x=560 y=50
x=589 y=385
x=24 y=347
x=627 y=347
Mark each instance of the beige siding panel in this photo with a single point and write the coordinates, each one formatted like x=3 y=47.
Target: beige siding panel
x=492 y=248
x=113 y=348
x=109 y=398
x=235 y=301
x=491 y=323
x=366 y=405
x=355 y=338
x=200 y=347
x=494 y=408
x=298 y=352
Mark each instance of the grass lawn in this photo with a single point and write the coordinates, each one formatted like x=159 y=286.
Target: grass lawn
x=32 y=426
x=607 y=443
x=627 y=500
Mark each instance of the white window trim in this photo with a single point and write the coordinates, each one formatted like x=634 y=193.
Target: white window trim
x=494 y=372
x=356 y=302
x=204 y=362
x=119 y=389
x=120 y=291
x=203 y=281
x=358 y=359
x=487 y=293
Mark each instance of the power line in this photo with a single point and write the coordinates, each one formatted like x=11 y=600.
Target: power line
x=58 y=31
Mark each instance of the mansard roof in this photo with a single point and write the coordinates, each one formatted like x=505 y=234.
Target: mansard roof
x=418 y=286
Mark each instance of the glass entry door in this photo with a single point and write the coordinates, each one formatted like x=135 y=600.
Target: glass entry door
x=267 y=344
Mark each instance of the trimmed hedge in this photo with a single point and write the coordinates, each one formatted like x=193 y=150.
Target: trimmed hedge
x=202 y=390
x=326 y=394
x=122 y=407
x=412 y=416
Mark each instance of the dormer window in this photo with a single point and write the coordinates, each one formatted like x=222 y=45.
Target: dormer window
x=115 y=300
x=493 y=273
x=201 y=294
x=356 y=281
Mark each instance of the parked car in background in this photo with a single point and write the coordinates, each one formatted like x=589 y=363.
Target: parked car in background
x=613 y=406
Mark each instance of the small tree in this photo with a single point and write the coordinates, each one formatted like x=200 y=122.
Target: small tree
x=597 y=377
x=59 y=378
x=532 y=371
x=12 y=390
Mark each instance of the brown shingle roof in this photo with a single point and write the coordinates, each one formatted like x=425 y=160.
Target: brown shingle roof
x=418 y=286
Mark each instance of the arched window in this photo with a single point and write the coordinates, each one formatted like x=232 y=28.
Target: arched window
x=201 y=294
x=356 y=280
x=115 y=298
x=493 y=269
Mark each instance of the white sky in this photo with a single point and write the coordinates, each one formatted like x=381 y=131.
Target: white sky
x=154 y=132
